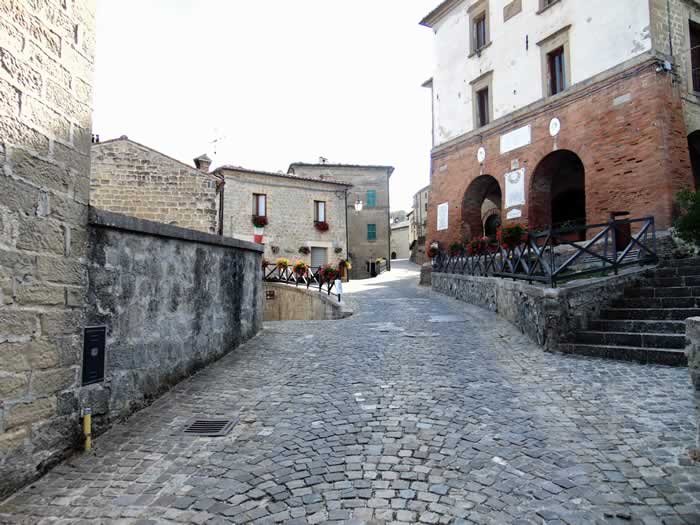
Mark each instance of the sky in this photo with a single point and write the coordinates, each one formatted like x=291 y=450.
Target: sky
x=275 y=81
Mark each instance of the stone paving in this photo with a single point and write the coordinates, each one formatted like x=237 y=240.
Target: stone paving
x=418 y=409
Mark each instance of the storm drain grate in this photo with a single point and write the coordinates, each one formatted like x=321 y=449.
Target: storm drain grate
x=210 y=427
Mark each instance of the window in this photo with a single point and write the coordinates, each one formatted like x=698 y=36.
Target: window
x=259 y=205
x=482 y=106
x=479 y=26
x=557 y=71
x=371 y=232
x=544 y=4
x=319 y=211
x=695 y=55
x=480 y=31
x=371 y=198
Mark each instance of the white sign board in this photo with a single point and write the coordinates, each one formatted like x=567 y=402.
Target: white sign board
x=516 y=139
x=442 y=211
x=515 y=188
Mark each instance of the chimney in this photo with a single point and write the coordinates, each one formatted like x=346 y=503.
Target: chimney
x=202 y=163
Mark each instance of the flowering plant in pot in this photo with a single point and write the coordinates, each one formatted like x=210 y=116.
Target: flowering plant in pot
x=282 y=263
x=304 y=250
x=433 y=252
x=511 y=236
x=321 y=226
x=259 y=221
x=338 y=250
x=329 y=273
x=300 y=268
x=456 y=249
x=478 y=246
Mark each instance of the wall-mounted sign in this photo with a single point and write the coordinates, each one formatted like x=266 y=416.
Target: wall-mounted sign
x=481 y=155
x=516 y=139
x=515 y=188
x=514 y=214
x=442 y=212
x=554 y=127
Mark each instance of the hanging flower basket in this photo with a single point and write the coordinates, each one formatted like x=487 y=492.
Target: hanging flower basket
x=304 y=250
x=478 y=246
x=511 y=236
x=329 y=273
x=300 y=268
x=344 y=263
x=321 y=226
x=282 y=263
x=456 y=249
x=266 y=263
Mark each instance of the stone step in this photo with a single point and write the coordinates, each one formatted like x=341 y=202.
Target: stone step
x=658 y=302
x=675 y=314
x=660 y=356
x=674 y=291
x=677 y=271
x=666 y=282
x=656 y=327
x=690 y=261
x=639 y=339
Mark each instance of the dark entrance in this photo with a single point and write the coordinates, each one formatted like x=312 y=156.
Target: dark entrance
x=481 y=208
x=694 y=150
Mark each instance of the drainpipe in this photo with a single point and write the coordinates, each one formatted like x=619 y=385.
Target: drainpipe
x=347 y=234
x=221 y=206
x=668 y=21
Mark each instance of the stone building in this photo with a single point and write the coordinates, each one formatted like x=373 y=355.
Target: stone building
x=294 y=206
x=369 y=232
x=553 y=112
x=46 y=63
x=419 y=223
x=133 y=179
x=400 y=240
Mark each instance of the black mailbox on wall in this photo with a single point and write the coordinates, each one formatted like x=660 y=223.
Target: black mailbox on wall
x=94 y=354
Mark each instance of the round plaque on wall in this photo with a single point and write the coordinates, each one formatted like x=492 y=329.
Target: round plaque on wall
x=481 y=155
x=554 y=127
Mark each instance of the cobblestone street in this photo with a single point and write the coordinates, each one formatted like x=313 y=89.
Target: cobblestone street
x=416 y=409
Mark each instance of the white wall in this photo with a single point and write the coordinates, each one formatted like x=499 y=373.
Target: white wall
x=603 y=34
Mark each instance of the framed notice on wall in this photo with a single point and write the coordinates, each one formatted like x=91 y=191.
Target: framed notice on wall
x=442 y=211
x=515 y=188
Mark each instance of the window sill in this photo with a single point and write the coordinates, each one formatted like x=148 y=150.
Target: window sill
x=542 y=10
x=478 y=52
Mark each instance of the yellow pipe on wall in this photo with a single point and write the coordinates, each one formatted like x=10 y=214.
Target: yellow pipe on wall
x=87 y=428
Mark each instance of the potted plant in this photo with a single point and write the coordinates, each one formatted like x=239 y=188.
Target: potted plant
x=511 y=236
x=304 y=250
x=478 y=246
x=300 y=268
x=329 y=273
x=259 y=223
x=282 y=263
x=321 y=226
x=338 y=250
x=456 y=249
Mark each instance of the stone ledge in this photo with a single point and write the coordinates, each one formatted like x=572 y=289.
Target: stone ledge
x=117 y=221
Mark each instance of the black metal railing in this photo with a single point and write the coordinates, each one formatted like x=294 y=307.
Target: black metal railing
x=556 y=255
x=312 y=278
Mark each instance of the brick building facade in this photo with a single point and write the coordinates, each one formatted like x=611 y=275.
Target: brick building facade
x=597 y=126
x=46 y=63
x=292 y=206
x=130 y=178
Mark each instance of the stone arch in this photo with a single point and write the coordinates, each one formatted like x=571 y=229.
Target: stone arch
x=482 y=200
x=694 y=150
x=558 y=191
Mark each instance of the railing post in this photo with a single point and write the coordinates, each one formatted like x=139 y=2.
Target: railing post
x=614 y=244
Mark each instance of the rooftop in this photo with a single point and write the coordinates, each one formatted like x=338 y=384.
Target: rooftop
x=441 y=10
x=390 y=169
x=282 y=175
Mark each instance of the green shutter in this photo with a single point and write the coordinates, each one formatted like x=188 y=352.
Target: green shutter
x=371 y=198
x=371 y=232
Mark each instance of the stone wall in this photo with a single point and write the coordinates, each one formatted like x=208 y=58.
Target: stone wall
x=290 y=213
x=172 y=300
x=362 y=178
x=549 y=316
x=46 y=63
x=129 y=178
x=284 y=302
x=692 y=331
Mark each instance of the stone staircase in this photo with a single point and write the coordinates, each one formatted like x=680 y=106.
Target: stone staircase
x=647 y=324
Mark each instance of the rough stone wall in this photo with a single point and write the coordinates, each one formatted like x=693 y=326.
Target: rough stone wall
x=173 y=300
x=549 y=316
x=290 y=212
x=677 y=42
x=627 y=128
x=362 y=178
x=128 y=178
x=291 y=303
x=46 y=64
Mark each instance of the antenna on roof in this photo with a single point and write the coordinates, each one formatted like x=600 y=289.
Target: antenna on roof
x=322 y=160
x=217 y=138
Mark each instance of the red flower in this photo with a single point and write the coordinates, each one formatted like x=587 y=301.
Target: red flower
x=259 y=221
x=322 y=226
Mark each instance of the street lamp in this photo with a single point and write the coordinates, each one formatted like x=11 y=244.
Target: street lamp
x=358 y=204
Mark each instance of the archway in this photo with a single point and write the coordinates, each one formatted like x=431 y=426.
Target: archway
x=481 y=207
x=558 y=192
x=694 y=150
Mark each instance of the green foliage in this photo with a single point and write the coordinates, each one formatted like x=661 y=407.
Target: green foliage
x=688 y=224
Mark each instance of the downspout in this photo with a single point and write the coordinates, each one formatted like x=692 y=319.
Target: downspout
x=347 y=234
x=221 y=206
x=668 y=22
x=388 y=218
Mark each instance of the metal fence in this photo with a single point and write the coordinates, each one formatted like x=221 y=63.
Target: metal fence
x=312 y=278
x=555 y=255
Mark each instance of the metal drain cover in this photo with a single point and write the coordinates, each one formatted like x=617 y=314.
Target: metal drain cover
x=210 y=427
